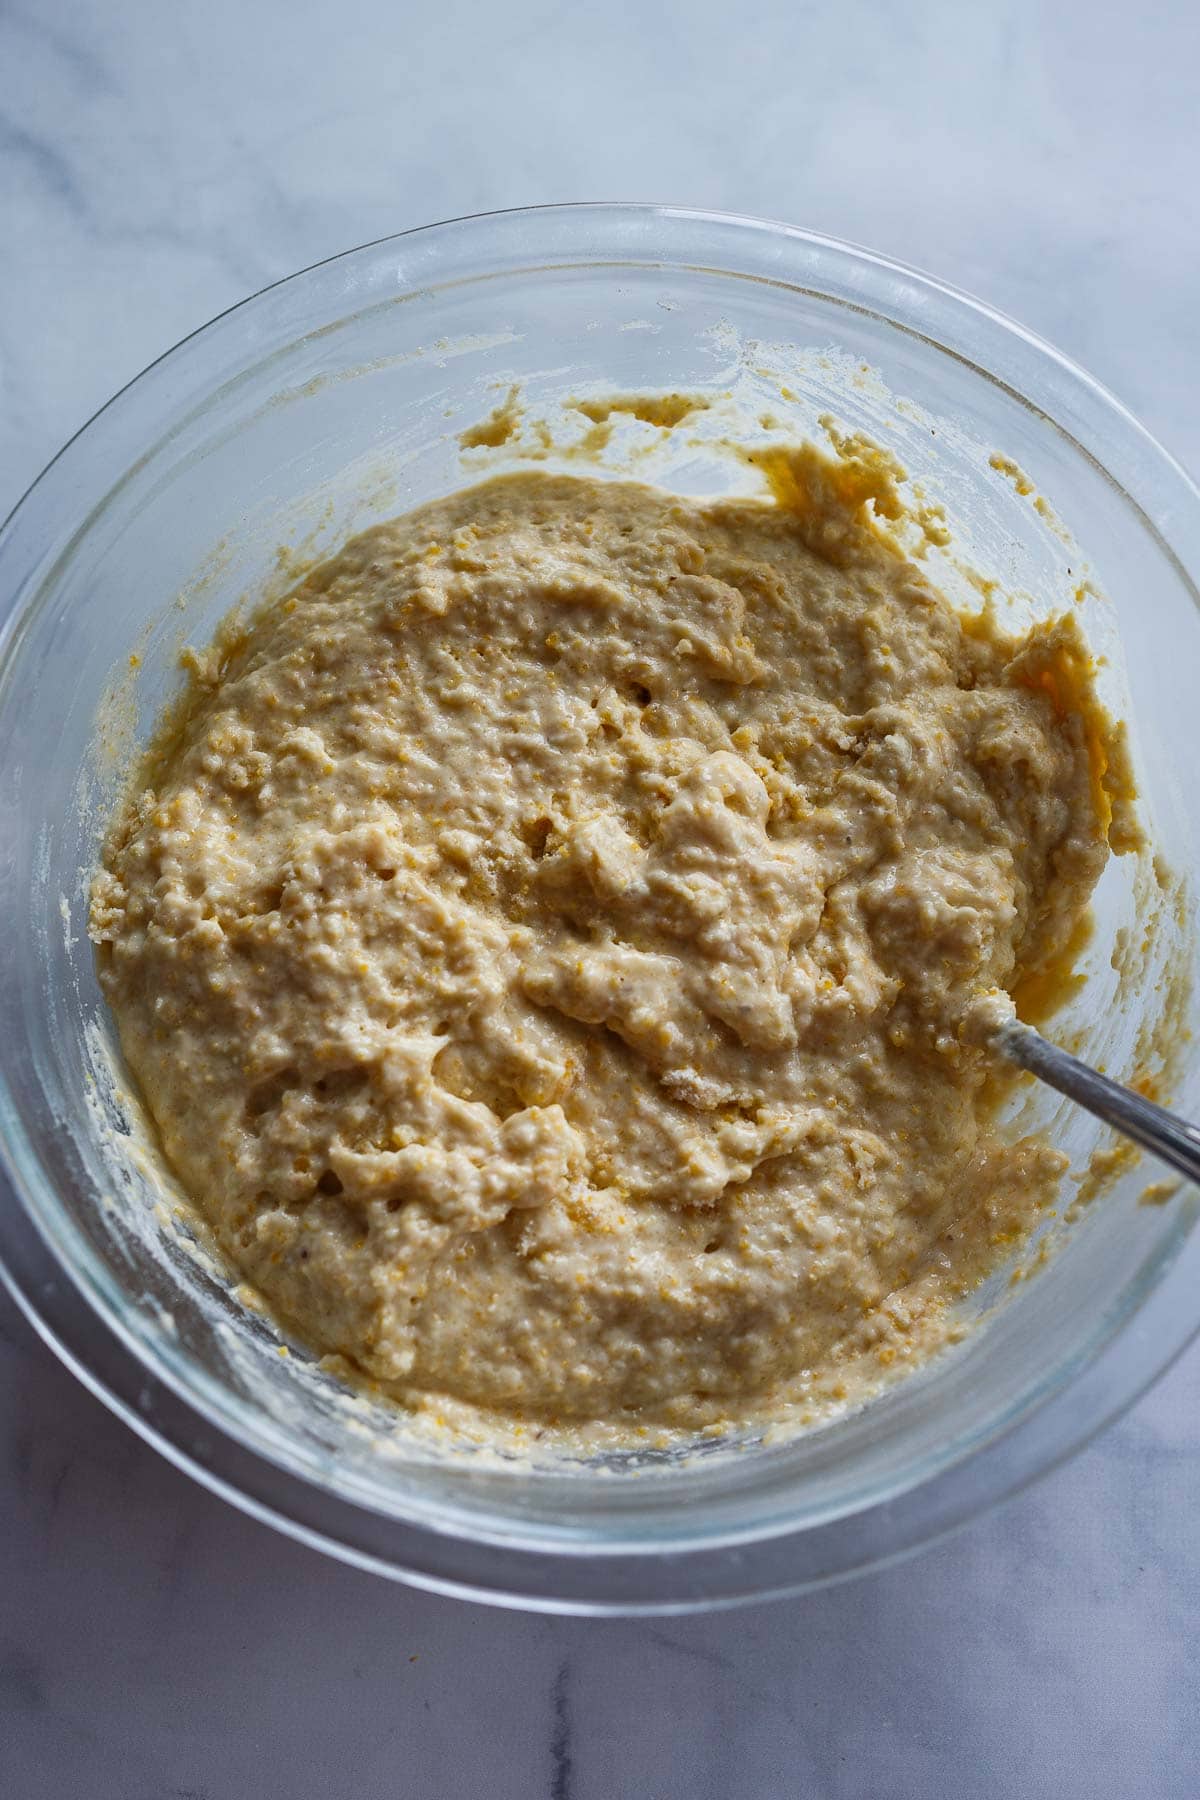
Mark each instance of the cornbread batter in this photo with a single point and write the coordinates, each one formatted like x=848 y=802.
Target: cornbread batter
x=544 y=942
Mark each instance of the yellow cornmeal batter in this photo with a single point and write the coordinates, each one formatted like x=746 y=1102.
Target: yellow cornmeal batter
x=544 y=940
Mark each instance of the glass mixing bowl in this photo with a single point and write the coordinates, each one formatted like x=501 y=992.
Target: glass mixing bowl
x=335 y=399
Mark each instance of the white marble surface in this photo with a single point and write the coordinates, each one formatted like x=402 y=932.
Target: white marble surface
x=156 y=163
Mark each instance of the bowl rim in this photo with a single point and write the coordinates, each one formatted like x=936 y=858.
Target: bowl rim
x=720 y=1570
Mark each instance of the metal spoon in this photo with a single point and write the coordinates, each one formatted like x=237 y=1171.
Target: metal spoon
x=1151 y=1126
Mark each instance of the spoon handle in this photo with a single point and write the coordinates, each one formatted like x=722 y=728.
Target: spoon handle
x=1151 y=1126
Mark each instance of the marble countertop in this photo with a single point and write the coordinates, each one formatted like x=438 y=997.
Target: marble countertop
x=156 y=164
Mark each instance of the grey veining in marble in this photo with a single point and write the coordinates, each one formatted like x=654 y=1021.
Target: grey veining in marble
x=157 y=162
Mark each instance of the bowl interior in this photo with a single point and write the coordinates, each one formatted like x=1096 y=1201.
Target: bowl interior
x=335 y=401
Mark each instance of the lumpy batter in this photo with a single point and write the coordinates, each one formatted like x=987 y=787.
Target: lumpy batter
x=544 y=942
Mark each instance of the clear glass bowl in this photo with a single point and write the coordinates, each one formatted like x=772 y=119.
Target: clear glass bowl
x=330 y=401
